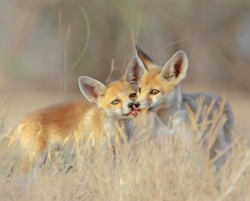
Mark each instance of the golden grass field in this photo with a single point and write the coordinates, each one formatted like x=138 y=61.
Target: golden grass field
x=172 y=168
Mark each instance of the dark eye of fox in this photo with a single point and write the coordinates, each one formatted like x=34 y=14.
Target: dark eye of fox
x=132 y=95
x=154 y=91
x=115 y=102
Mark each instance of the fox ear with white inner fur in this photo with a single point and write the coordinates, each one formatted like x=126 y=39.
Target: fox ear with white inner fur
x=176 y=67
x=137 y=66
x=92 y=89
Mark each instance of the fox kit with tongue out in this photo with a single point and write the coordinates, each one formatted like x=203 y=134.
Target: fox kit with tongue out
x=103 y=119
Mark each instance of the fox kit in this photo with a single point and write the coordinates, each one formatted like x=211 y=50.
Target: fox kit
x=94 y=121
x=160 y=92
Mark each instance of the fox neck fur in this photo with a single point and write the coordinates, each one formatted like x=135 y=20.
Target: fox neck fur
x=171 y=116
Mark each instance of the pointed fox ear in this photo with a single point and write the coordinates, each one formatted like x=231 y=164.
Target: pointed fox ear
x=92 y=89
x=134 y=71
x=137 y=66
x=176 y=67
x=146 y=61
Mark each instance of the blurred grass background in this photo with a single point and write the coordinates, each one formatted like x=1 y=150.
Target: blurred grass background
x=40 y=39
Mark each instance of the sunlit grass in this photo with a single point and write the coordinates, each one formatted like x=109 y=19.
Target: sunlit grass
x=171 y=167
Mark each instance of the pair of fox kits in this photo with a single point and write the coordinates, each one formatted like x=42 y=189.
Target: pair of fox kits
x=102 y=119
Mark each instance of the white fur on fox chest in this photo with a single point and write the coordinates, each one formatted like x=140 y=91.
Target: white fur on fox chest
x=169 y=124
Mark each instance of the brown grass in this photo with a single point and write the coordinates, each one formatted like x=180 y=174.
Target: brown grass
x=169 y=168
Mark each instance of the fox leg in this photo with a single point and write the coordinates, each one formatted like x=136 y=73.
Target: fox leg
x=33 y=153
x=32 y=161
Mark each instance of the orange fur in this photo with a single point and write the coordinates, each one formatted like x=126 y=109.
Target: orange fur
x=90 y=123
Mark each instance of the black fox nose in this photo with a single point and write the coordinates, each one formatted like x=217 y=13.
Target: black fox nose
x=136 y=104
x=130 y=105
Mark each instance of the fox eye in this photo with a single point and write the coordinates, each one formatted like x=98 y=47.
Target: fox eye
x=132 y=95
x=115 y=102
x=154 y=91
x=139 y=90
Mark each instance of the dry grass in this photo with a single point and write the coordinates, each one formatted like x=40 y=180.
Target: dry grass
x=165 y=169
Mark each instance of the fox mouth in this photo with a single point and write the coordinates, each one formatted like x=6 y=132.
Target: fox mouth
x=151 y=108
x=133 y=112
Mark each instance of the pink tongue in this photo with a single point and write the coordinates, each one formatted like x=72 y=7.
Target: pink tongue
x=134 y=112
x=135 y=108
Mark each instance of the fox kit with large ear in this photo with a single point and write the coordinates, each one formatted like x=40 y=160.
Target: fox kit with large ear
x=94 y=121
x=160 y=92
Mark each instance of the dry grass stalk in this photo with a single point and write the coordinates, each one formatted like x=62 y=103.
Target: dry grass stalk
x=147 y=168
